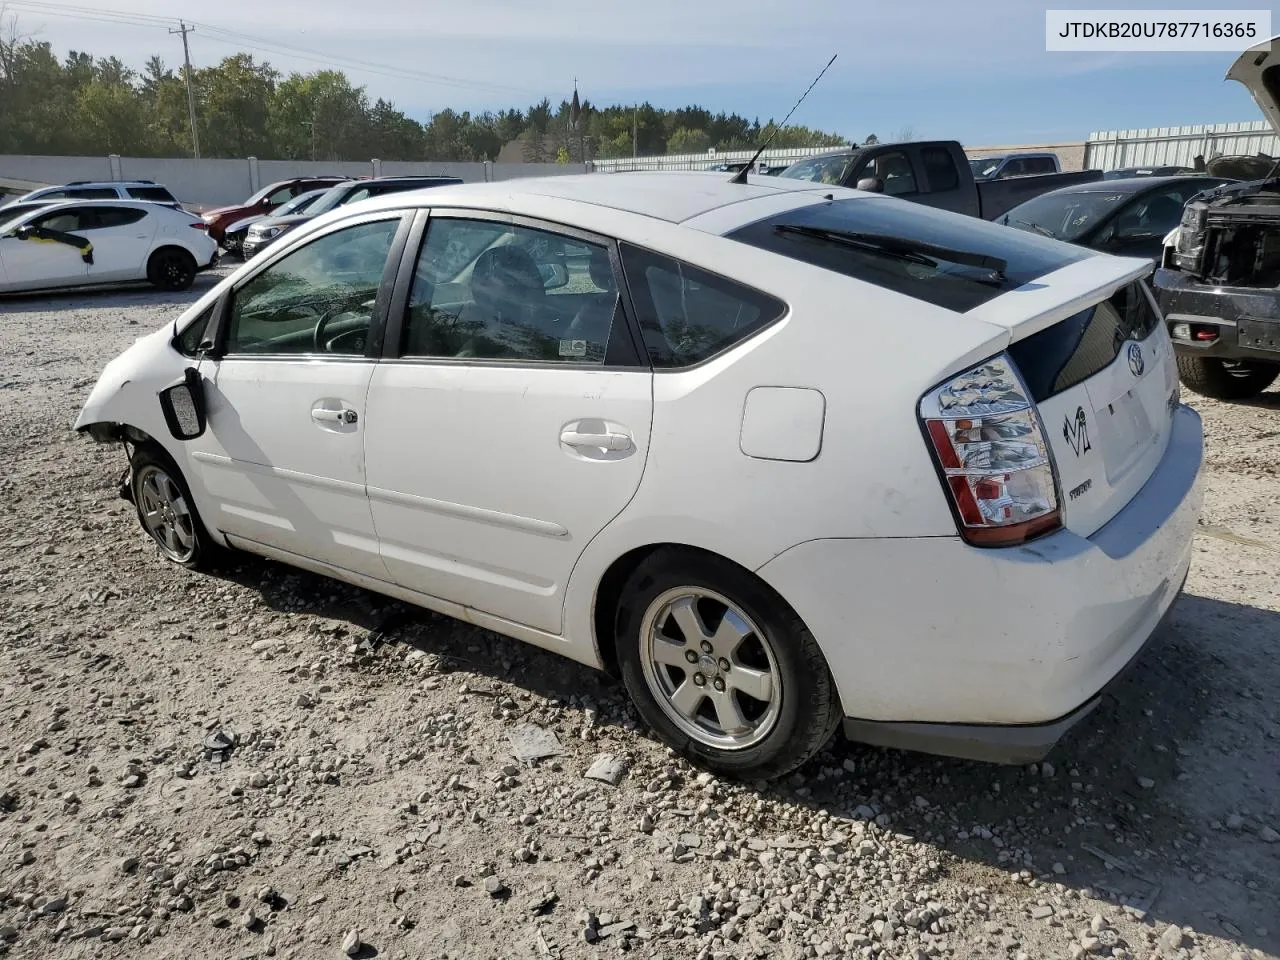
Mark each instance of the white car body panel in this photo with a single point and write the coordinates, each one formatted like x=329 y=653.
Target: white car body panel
x=476 y=509
x=1248 y=70
x=120 y=253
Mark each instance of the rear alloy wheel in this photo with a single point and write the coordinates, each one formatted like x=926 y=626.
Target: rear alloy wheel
x=171 y=268
x=721 y=668
x=1227 y=379
x=166 y=510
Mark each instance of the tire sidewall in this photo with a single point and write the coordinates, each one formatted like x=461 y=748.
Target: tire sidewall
x=159 y=260
x=800 y=684
x=151 y=457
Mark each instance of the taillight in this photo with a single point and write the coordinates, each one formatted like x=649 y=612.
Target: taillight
x=990 y=448
x=199 y=225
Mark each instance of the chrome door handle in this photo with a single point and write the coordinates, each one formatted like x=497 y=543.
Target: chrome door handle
x=597 y=441
x=334 y=416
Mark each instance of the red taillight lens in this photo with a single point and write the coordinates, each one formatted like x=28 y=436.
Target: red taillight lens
x=988 y=442
x=199 y=225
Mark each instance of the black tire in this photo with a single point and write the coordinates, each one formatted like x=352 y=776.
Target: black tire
x=1227 y=379
x=151 y=469
x=809 y=709
x=171 y=268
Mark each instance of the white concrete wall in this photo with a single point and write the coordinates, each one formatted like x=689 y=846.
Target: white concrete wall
x=209 y=183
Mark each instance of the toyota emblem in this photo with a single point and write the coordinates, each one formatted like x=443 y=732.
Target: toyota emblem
x=1136 y=363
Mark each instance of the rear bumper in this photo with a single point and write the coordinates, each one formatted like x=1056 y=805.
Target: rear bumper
x=1184 y=299
x=995 y=654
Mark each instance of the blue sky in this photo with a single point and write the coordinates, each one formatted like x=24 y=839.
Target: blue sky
x=940 y=68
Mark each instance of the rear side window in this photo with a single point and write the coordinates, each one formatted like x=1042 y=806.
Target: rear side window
x=688 y=315
x=99 y=218
x=92 y=193
x=1041 y=165
x=940 y=168
x=922 y=275
x=155 y=194
x=1059 y=357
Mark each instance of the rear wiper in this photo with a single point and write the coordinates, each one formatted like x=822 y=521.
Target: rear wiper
x=913 y=251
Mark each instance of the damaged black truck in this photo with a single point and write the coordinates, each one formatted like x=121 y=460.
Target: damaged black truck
x=1219 y=282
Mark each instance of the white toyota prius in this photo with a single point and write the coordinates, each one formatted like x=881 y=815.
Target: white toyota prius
x=782 y=456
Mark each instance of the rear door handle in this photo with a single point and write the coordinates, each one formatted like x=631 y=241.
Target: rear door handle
x=323 y=415
x=596 y=441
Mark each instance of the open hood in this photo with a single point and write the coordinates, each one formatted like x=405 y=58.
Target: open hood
x=1240 y=167
x=1258 y=68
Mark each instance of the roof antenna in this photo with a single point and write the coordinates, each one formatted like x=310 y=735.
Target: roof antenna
x=741 y=175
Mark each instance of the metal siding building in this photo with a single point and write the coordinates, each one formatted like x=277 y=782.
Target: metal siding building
x=1179 y=146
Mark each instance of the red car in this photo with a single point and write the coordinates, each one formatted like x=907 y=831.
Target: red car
x=264 y=201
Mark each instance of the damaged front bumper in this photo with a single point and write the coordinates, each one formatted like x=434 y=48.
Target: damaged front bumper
x=1231 y=323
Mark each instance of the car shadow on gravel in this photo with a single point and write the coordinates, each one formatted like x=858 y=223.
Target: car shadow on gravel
x=1121 y=810
x=123 y=296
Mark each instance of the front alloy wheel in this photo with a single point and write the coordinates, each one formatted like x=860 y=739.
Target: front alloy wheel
x=166 y=510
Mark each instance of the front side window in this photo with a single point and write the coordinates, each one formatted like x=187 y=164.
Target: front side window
x=489 y=290
x=318 y=299
x=63 y=221
x=893 y=169
x=687 y=314
x=277 y=197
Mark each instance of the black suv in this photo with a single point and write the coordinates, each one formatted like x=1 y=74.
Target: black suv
x=269 y=229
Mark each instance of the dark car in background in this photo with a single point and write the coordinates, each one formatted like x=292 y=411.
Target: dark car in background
x=1124 y=173
x=1128 y=217
x=234 y=235
x=267 y=200
x=936 y=173
x=269 y=229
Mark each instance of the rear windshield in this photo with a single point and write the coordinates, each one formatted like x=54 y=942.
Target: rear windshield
x=156 y=194
x=928 y=277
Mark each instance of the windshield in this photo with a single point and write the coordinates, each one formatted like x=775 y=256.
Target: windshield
x=331 y=198
x=1065 y=216
x=16 y=211
x=819 y=169
x=946 y=259
x=984 y=169
x=301 y=202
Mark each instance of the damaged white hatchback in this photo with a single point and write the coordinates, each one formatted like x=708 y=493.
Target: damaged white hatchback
x=782 y=456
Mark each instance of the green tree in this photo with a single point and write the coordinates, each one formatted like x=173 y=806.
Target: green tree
x=685 y=140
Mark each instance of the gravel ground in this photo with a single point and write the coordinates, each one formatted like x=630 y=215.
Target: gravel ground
x=368 y=803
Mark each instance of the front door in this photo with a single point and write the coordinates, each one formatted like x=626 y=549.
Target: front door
x=512 y=423
x=51 y=255
x=282 y=458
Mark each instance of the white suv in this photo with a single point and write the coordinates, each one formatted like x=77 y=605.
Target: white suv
x=106 y=190
x=782 y=455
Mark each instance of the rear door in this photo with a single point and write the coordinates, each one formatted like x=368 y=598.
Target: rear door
x=121 y=238
x=509 y=420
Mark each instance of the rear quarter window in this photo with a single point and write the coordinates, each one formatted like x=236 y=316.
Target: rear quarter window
x=688 y=315
x=155 y=194
x=932 y=279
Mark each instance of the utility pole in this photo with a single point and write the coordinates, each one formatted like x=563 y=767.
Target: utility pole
x=191 y=96
x=635 y=135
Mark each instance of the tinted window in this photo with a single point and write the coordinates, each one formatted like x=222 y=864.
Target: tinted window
x=926 y=277
x=1059 y=357
x=489 y=290
x=92 y=193
x=688 y=315
x=1040 y=165
x=157 y=194
x=1014 y=168
x=939 y=168
x=319 y=298
x=1154 y=214
x=893 y=169
x=100 y=218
